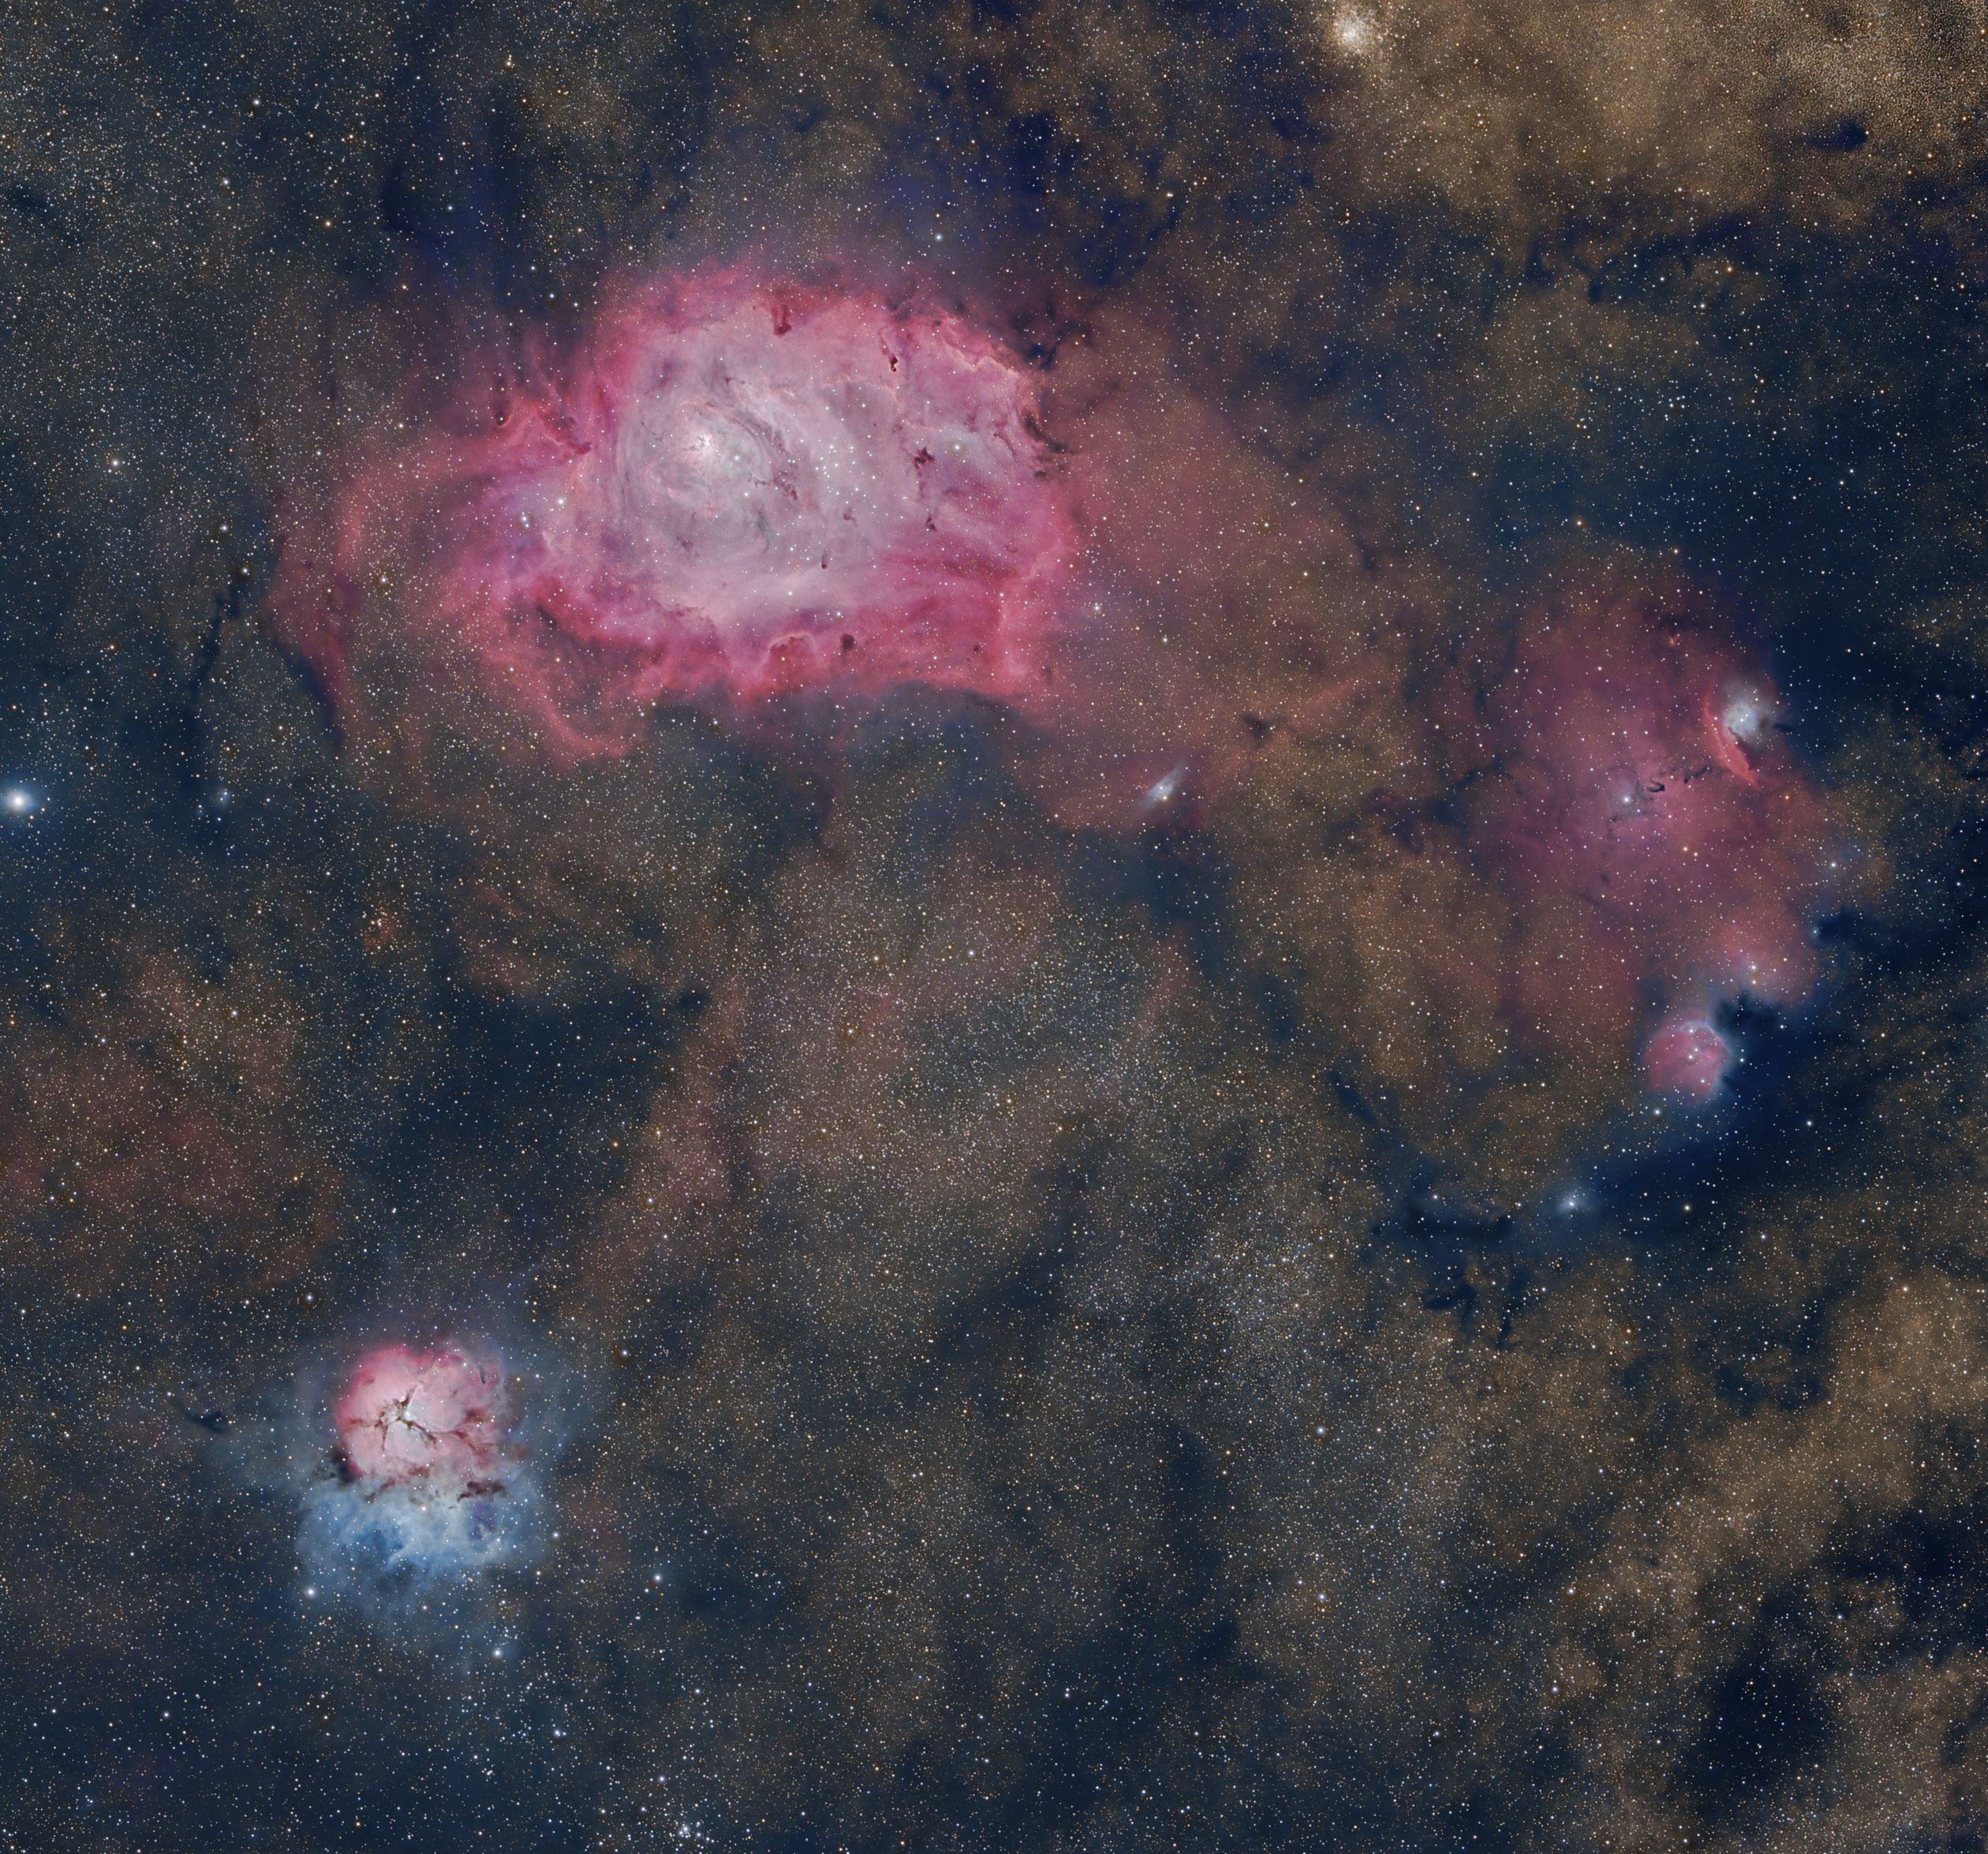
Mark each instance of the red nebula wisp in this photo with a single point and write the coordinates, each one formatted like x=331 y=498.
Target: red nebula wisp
x=436 y=1422
x=1643 y=811
x=738 y=487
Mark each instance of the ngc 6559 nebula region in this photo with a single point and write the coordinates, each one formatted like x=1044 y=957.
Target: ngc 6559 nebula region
x=741 y=485
x=1629 y=786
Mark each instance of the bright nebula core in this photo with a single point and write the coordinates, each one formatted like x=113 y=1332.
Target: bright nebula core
x=739 y=486
x=432 y=1477
x=1686 y=1060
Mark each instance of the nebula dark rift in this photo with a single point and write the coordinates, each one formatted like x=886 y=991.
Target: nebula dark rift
x=1014 y=925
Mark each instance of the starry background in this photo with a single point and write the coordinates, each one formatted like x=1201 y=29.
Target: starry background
x=1047 y=1334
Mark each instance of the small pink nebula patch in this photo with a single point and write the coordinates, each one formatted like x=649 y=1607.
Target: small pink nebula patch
x=738 y=486
x=1639 y=803
x=438 y=1423
x=1686 y=1059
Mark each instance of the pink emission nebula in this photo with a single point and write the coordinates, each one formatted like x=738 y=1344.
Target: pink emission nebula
x=430 y=1482
x=1639 y=803
x=439 y=1421
x=740 y=487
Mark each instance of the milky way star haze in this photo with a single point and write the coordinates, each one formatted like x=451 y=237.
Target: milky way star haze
x=1040 y=926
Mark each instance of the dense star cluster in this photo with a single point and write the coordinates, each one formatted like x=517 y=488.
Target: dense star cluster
x=1020 y=925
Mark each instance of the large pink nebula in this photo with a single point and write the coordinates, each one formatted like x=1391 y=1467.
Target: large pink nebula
x=738 y=486
x=438 y=1423
x=1634 y=794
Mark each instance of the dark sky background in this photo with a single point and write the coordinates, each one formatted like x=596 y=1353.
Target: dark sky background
x=1101 y=1263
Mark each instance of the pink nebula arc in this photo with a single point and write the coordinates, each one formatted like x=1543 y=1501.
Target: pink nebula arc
x=739 y=486
x=438 y=1423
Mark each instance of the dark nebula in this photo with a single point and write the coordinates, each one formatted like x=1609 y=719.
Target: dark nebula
x=1028 y=926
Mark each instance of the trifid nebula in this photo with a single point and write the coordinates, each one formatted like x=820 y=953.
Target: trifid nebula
x=994 y=927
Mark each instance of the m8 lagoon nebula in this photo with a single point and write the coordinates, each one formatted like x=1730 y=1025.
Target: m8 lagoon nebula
x=1006 y=924
x=741 y=485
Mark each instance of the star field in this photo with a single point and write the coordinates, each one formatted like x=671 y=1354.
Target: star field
x=1028 y=925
